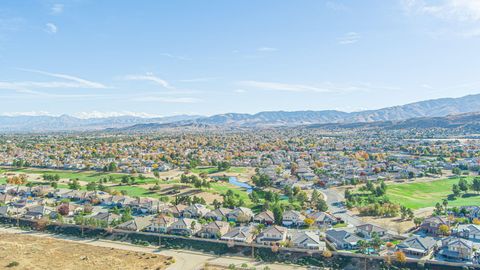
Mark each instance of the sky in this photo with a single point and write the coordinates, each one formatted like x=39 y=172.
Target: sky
x=92 y=58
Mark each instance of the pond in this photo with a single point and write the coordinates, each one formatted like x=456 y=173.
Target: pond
x=234 y=181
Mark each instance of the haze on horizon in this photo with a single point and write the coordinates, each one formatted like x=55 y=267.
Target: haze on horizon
x=149 y=58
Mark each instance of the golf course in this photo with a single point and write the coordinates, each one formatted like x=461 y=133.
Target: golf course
x=426 y=194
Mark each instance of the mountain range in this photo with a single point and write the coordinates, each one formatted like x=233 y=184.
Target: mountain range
x=429 y=109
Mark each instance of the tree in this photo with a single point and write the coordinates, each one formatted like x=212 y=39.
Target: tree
x=401 y=257
x=63 y=209
x=277 y=214
x=463 y=185
x=456 y=190
x=322 y=205
x=476 y=184
x=75 y=185
x=309 y=222
x=444 y=229
x=418 y=221
x=92 y=186
x=445 y=204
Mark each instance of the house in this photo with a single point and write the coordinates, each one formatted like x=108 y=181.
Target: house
x=175 y=210
x=307 y=240
x=417 y=246
x=239 y=234
x=215 y=229
x=369 y=230
x=292 y=218
x=432 y=224
x=272 y=235
x=146 y=206
x=160 y=224
x=106 y=217
x=184 y=226
x=6 y=198
x=136 y=224
x=240 y=214
x=195 y=211
x=458 y=249
x=468 y=231
x=265 y=217
x=218 y=214
x=323 y=219
x=342 y=239
x=36 y=212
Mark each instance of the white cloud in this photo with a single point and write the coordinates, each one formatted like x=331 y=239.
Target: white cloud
x=56 y=9
x=149 y=77
x=168 y=99
x=460 y=10
x=69 y=82
x=324 y=87
x=51 y=28
x=337 y=6
x=173 y=56
x=240 y=91
x=282 y=86
x=349 y=38
x=267 y=49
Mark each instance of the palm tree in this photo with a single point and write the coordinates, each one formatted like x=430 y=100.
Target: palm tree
x=445 y=204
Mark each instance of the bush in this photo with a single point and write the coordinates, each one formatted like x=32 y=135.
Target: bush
x=12 y=264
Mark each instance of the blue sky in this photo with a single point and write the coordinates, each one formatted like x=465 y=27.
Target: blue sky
x=96 y=58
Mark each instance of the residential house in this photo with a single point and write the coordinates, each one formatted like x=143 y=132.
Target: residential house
x=272 y=235
x=240 y=214
x=417 y=246
x=239 y=234
x=136 y=224
x=431 y=225
x=37 y=212
x=106 y=217
x=160 y=224
x=195 y=211
x=292 y=218
x=184 y=226
x=342 y=239
x=323 y=219
x=307 y=240
x=215 y=229
x=369 y=230
x=5 y=211
x=175 y=210
x=265 y=217
x=468 y=231
x=218 y=214
x=459 y=249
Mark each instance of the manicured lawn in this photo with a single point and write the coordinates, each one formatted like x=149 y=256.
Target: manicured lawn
x=134 y=191
x=425 y=194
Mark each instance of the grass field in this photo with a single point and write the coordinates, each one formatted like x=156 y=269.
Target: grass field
x=426 y=194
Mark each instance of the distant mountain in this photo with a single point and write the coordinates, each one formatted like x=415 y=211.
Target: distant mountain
x=468 y=122
x=430 y=108
x=70 y=123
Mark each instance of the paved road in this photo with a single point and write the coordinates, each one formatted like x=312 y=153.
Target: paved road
x=184 y=259
x=334 y=201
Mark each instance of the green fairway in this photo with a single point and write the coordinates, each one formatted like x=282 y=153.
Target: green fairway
x=425 y=194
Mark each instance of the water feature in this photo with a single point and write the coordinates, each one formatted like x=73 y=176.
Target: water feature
x=234 y=181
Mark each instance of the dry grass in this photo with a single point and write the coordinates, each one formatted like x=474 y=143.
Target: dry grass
x=32 y=252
